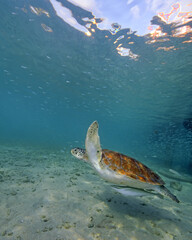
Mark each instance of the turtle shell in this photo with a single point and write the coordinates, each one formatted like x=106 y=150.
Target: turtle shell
x=129 y=167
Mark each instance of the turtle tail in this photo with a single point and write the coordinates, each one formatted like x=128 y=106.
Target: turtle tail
x=164 y=191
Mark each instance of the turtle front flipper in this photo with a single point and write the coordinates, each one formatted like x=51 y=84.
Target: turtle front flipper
x=92 y=145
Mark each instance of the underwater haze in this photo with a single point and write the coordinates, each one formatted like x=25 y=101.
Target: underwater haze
x=67 y=63
x=56 y=79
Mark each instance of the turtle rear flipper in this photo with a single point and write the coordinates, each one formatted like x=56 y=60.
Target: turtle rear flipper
x=164 y=191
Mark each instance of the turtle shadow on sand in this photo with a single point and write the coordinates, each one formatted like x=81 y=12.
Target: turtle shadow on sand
x=136 y=207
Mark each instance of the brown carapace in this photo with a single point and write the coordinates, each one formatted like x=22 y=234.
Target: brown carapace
x=129 y=167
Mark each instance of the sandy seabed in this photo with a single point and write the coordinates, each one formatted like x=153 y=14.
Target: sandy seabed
x=50 y=195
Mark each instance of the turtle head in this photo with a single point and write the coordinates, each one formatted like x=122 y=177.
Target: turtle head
x=79 y=153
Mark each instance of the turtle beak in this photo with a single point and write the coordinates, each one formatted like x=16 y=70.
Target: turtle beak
x=73 y=151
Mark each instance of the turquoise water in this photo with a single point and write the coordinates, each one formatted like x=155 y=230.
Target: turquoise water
x=56 y=79
x=63 y=65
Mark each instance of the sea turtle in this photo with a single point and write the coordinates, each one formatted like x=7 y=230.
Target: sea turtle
x=118 y=168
